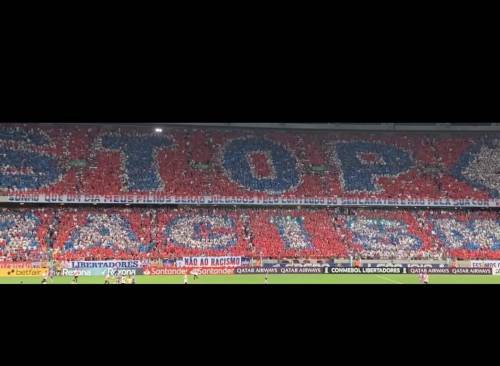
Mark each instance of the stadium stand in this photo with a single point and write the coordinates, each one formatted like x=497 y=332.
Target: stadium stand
x=238 y=163
x=144 y=233
x=197 y=162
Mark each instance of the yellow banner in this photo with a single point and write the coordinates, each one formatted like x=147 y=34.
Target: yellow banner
x=23 y=272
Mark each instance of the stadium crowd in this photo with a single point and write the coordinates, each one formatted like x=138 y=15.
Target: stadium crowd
x=142 y=233
x=246 y=164
x=235 y=163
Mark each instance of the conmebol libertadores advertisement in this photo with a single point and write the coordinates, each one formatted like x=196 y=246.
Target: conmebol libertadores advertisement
x=365 y=270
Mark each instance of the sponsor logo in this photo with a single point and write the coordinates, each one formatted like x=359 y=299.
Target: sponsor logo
x=122 y=272
x=475 y=271
x=23 y=272
x=159 y=271
x=419 y=270
x=280 y=270
x=485 y=264
x=402 y=265
x=84 y=272
x=303 y=270
x=365 y=270
x=76 y=272
x=257 y=270
x=452 y=271
x=164 y=271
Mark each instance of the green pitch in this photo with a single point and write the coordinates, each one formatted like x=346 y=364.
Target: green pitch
x=288 y=279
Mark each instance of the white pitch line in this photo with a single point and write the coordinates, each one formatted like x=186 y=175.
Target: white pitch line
x=388 y=279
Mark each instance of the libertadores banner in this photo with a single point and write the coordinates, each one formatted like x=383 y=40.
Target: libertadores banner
x=86 y=265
